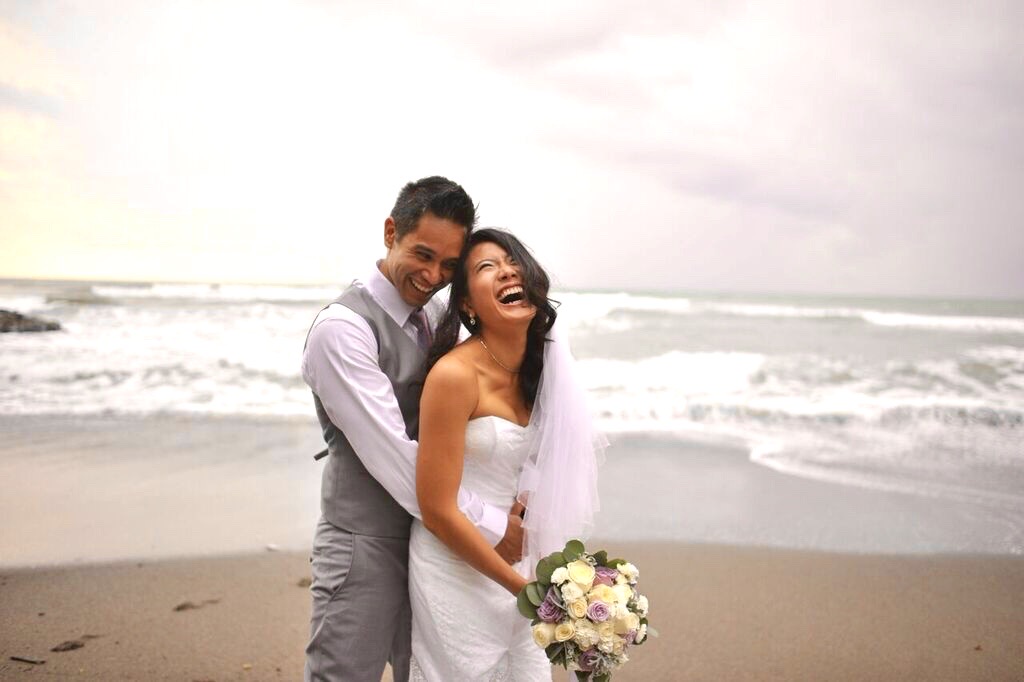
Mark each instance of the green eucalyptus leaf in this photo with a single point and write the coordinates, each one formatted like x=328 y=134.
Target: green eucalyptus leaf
x=572 y=550
x=524 y=605
x=544 y=571
x=601 y=558
x=582 y=676
x=534 y=593
x=556 y=559
x=554 y=651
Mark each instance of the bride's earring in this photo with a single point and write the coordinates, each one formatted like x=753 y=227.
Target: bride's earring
x=472 y=320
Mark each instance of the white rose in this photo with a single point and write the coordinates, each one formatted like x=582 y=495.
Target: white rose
x=641 y=634
x=618 y=646
x=571 y=592
x=621 y=610
x=564 y=631
x=606 y=631
x=543 y=634
x=620 y=579
x=560 y=575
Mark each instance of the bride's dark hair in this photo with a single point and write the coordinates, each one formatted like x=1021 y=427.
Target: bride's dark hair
x=535 y=289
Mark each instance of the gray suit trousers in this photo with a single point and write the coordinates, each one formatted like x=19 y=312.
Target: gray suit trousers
x=361 y=615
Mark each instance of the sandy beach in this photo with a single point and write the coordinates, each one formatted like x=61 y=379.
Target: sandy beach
x=724 y=613
x=176 y=549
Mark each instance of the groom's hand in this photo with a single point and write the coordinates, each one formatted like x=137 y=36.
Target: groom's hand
x=511 y=546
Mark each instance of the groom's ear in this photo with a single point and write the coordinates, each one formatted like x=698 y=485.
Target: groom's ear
x=389 y=232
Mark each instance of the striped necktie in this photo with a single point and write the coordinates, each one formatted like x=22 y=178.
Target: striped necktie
x=418 y=318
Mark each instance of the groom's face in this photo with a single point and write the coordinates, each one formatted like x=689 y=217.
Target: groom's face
x=423 y=261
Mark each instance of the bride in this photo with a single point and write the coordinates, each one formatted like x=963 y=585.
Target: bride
x=500 y=413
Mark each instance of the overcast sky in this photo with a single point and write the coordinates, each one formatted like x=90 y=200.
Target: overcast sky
x=786 y=146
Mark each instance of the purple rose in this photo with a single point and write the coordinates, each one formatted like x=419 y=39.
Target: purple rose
x=589 y=660
x=605 y=576
x=598 y=612
x=550 y=610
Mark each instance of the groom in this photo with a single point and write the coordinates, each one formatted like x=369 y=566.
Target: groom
x=364 y=361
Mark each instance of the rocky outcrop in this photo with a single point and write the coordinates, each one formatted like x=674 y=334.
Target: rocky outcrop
x=11 y=321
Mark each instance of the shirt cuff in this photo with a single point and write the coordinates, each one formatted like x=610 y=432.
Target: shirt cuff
x=493 y=524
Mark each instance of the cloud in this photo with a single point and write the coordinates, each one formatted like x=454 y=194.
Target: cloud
x=29 y=102
x=30 y=68
x=884 y=139
x=791 y=145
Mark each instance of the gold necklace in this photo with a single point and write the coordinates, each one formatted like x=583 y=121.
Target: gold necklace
x=500 y=363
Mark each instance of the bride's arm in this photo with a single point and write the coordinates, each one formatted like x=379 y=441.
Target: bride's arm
x=449 y=398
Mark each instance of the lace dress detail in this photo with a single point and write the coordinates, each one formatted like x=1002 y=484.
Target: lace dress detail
x=466 y=628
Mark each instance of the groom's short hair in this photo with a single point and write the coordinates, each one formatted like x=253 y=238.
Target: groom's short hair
x=439 y=196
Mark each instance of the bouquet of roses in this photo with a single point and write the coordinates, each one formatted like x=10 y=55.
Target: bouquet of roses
x=586 y=610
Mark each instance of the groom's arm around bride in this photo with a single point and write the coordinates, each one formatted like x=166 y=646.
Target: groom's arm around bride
x=364 y=361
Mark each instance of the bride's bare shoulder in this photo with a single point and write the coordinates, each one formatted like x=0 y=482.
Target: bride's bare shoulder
x=455 y=370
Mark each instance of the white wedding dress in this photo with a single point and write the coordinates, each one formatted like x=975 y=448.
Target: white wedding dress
x=465 y=627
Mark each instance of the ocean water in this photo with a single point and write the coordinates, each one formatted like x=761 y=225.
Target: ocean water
x=919 y=396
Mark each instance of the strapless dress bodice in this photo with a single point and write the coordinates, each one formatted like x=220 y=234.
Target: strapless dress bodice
x=496 y=450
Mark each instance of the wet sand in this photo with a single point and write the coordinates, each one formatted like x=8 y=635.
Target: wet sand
x=100 y=489
x=109 y=524
x=724 y=613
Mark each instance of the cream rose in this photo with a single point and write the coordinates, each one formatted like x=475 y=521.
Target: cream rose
x=628 y=622
x=564 y=631
x=602 y=593
x=543 y=634
x=623 y=593
x=606 y=631
x=578 y=608
x=560 y=575
x=581 y=573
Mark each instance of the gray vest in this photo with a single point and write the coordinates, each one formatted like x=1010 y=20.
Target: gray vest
x=350 y=498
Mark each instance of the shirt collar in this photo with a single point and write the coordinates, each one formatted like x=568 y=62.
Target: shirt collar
x=385 y=293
